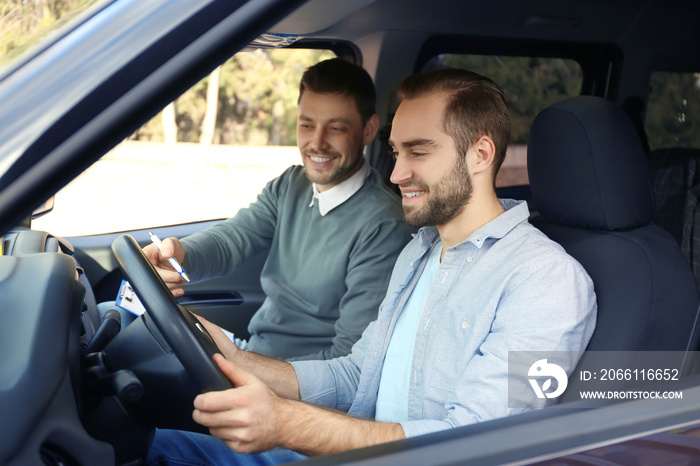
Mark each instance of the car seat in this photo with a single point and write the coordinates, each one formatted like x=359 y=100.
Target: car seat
x=590 y=183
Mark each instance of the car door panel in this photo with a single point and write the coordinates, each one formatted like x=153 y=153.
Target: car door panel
x=230 y=300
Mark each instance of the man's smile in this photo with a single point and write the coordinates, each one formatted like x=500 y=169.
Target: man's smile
x=319 y=159
x=413 y=193
x=410 y=195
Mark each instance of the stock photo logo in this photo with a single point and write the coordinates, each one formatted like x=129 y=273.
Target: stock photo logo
x=543 y=372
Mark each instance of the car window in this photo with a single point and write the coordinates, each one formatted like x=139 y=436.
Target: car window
x=531 y=85
x=26 y=24
x=673 y=110
x=203 y=157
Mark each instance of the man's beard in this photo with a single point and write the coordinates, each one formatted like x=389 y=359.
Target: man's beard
x=445 y=200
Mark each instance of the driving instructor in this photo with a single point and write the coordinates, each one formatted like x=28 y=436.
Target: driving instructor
x=332 y=227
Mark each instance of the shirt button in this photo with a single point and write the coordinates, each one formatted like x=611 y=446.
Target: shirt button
x=469 y=259
x=465 y=325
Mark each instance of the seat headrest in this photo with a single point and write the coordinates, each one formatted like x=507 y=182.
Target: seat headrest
x=587 y=166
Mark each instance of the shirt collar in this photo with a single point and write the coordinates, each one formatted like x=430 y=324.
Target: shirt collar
x=332 y=198
x=516 y=212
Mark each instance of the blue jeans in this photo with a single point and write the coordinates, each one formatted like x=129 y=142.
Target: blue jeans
x=127 y=317
x=176 y=447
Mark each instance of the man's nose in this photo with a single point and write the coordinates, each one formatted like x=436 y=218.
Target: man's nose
x=318 y=139
x=401 y=172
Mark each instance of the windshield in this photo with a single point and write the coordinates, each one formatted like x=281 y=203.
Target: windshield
x=26 y=28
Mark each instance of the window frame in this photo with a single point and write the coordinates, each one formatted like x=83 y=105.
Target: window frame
x=601 y=63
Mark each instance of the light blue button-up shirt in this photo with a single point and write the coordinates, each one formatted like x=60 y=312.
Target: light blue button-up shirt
x=505 y=288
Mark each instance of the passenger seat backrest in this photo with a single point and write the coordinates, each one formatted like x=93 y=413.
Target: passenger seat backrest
x=590 y=183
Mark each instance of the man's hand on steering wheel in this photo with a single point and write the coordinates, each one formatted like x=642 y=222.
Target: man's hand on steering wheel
x=172 y=247
x=226 y=346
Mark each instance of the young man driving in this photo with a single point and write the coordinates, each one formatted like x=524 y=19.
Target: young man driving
x=477 y=282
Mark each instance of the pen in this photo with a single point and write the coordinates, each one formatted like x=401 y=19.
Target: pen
x=176 y=265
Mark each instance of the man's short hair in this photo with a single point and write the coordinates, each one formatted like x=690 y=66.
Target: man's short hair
x=340 y=76
x=476 y=107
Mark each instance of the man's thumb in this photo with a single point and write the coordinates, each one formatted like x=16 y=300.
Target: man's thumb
x=235 y=374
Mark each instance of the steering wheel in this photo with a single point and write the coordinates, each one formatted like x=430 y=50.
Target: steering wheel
x=185 y=335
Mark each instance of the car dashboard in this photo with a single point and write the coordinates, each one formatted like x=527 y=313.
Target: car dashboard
x=77 y=389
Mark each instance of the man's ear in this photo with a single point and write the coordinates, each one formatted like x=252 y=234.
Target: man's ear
x=484 y=153
x=370 y=130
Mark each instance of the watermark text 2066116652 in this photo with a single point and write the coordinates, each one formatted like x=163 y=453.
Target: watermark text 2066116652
x=539 y=378
x=649 y=374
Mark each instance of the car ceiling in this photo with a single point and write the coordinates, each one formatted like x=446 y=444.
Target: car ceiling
x=660 y=23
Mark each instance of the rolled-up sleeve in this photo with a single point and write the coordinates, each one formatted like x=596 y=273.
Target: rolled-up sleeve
x=333 y=383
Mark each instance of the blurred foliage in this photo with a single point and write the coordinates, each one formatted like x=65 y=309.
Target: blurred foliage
x=531 y=84
x=258 y=94
x=673 y=110
x=23 y=22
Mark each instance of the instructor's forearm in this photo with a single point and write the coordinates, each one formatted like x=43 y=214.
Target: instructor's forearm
x=277 y=374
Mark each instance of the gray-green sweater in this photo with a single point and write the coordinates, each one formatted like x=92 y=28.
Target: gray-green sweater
x=324 y=277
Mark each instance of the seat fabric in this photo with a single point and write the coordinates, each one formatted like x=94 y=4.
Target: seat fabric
x=590 y=182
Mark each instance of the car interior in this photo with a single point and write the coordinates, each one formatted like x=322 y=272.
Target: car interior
x=77 y=389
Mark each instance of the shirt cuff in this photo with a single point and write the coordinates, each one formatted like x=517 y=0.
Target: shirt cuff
x=425 y=426
x=315 y=382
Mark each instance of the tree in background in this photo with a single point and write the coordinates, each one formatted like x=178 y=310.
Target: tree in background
x=22 y=22
x=256 y=101
x=212 y=107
